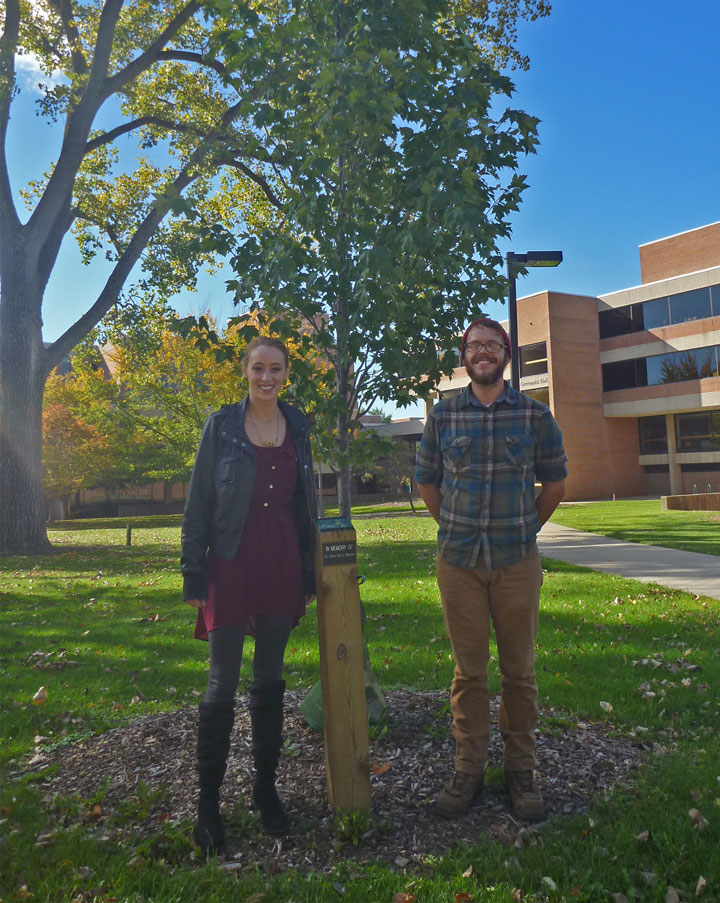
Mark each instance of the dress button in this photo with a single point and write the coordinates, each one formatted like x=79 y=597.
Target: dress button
x=265 y=504
x=271 y=486
x=273 y=467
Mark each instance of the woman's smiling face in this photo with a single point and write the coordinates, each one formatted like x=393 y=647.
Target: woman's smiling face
x=265 y=372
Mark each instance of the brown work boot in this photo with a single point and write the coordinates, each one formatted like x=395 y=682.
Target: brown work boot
x=525 y=794
x=457 y=795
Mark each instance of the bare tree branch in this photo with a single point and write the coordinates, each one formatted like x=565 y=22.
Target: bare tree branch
x=259 y=180
x=132 y=252
x=127 y=127
x=149 y=56
x=8 y=43
x=67 y=16
x=45 y=226
x=103 y=45
x=78 y=213
x=191 y=57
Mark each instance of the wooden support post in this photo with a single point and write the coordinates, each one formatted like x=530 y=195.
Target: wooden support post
x=341 y=665
x=128 y=536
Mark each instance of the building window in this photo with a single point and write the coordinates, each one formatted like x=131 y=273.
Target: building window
x=624 y=374
x=656 y=313
x=617 y=321
x=657 y=468
x=533 y=359
x=542 y=395
x=693 y=305
x=715 y=292
x=699 y=431
x=653 y=435
x=677 y=366
x=681 y=308
x=707 y=467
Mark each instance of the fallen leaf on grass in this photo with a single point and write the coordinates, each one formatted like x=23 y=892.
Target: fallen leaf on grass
x=517 y=895
x=403 y=897
x=700 y=886
x=40 y=697
x=463 y=897
x=643 y=837
x=375 y=768
x=548 y=882
x=698 y=819
x=469 y=872
x=671 y=896
x=575 y=891
x=606 y=706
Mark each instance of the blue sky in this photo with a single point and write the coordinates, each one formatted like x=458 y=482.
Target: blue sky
x=629 y=98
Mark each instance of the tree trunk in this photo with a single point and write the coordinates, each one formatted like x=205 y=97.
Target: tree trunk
x=344 y=474
x=22 y=381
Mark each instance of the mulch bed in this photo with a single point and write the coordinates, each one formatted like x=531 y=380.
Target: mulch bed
x=413 y=758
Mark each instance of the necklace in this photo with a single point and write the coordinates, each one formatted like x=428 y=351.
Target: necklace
x=267 y=443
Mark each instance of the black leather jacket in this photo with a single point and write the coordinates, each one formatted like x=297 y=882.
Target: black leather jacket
x=220 y=490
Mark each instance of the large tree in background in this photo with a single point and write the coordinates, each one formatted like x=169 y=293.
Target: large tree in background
x=147 y=65
x=398 y=159
x=156 y=72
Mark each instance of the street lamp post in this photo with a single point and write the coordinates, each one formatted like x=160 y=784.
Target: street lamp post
x=517 y=262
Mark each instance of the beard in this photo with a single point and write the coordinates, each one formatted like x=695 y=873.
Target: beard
x=489 y=378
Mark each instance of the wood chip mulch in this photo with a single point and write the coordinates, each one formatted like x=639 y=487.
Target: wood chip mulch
x=412 y=759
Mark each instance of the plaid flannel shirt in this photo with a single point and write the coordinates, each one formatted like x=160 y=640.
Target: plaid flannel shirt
x=485 y=461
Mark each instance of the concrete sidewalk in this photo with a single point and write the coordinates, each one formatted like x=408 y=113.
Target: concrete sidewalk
x=689 y=571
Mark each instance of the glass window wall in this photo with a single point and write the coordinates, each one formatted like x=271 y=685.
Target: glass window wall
x=656 y=313
x=688 y=306
x=653 y=435
x=698 y=431
x=681 y=308
x=698 y=363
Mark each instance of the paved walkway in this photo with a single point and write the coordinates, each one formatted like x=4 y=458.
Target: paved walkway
x=688 y=571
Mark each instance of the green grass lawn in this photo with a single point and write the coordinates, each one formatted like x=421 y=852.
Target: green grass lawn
x=102 y=627
x=644 y=521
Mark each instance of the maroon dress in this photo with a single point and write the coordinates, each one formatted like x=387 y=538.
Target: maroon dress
x=265 y=576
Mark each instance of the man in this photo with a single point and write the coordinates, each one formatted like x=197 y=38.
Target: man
x=477 y=463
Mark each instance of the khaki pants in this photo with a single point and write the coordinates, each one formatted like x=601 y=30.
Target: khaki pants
x=511 y=597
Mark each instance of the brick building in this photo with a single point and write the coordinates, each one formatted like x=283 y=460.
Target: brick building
x=633 y=376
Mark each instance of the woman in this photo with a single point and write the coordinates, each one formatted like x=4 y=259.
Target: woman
x=247 y=564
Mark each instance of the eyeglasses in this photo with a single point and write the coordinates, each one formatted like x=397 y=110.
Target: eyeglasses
x=493 y=347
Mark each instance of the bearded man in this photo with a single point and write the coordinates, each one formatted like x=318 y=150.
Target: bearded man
x=477 y=463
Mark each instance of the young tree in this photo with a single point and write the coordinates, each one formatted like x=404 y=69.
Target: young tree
x=398 y=162
x=157 y=71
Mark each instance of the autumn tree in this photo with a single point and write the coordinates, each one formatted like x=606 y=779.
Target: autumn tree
x=86 y=442
x=398 y=158
x=75 y=453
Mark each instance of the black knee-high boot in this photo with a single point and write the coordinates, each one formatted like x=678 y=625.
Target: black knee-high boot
x=266 y=717
x=213 y=744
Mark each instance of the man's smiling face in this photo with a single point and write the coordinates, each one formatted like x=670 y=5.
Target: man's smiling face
x=484 y=366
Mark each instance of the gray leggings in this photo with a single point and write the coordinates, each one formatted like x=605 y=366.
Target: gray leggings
x=226 y=650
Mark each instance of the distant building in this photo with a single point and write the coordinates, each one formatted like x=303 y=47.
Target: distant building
x=632 y=376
